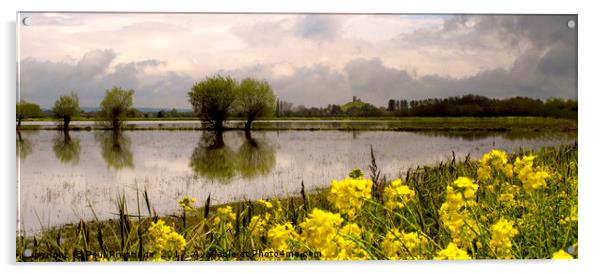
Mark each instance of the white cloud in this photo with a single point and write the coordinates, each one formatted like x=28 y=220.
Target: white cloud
x=309 y=59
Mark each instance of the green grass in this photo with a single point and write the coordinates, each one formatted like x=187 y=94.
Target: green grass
x=356 y=104
x=388 y=123
x=536 y=215
x=327 y=118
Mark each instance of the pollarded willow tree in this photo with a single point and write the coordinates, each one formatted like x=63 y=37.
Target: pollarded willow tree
x=115 y=106
x=213 y=99
x=26 y=110
x=65 y=108
x=254 y=98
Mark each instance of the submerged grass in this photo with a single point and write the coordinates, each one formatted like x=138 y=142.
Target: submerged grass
x=520 y=206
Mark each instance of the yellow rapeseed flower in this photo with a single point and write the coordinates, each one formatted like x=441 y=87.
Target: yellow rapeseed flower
x=454 y=213
x=259 y=224
x=319 y=229
x=561 y=255
x=493 y=160
x=523 y=162
x=347 y=249
x=573 y=217
x=403 y=246
x=507 y=199
x=397 y=195
x=508 y=170
x=452 y=252
x=163 y=239
x=348 y=195
x=484 y=173
x=502 y=233
x=322 y=232
x=531 y=177
x=265 y=203
x=187 y=203
x=462 y=228
x=280 y=235
x=536 y=180
x=225 y=216
x=467 y=187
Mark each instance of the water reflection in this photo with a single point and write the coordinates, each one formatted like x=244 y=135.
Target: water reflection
x=167 y=162
x=462 y=135
x=215 y=160
x=534 y=135
x=256 y=156
x=115 y=149
x=520 y=135
x=66 y=149
x=212 y=159
x=24 y=146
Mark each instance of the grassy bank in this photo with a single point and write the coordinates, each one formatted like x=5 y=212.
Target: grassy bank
x=502 y=206
x=376 y=123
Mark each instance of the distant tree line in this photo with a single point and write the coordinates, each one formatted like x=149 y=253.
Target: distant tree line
x=351 y=109
x=481 y=106
x=467 y=105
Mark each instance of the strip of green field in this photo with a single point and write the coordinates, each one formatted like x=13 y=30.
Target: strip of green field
x=371 y=123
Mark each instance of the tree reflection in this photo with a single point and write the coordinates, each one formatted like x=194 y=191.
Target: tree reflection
x=66 y=149
x=212 y=159
x=24 y=146
x=115 y=149
x=215 y=160
x=256 y=157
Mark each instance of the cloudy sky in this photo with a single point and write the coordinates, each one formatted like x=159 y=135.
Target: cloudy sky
x=314 y=60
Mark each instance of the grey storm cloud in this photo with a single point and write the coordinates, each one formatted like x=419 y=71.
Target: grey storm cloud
x=544 y=31
x=531 y=75
x=470 y=31
x=560 y=60
x=321 y=27
x=271 y=33
x=552 y=74
x=372 y=81
x=548 y=69
x=44 y=81
x=315 y=85
x=94 y=63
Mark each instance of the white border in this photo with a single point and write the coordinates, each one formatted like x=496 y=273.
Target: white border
x=589 y=101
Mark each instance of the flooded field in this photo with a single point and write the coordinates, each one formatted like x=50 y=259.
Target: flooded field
x=61 y=177
x=399 y=124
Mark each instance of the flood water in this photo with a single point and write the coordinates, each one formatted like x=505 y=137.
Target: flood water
x=60 y=176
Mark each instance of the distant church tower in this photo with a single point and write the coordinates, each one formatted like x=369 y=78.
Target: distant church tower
x=354 y=98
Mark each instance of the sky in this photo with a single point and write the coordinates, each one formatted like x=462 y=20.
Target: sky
x=308 y=59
